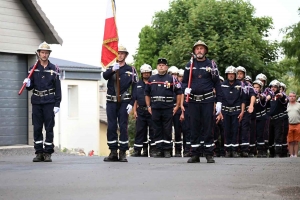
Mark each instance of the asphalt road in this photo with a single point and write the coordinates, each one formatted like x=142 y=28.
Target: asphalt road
x=77 y=177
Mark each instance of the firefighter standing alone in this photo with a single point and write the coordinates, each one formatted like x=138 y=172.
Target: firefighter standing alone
x=45 y=99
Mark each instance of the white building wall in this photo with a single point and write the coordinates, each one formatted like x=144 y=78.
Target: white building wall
x=77 y=123
x=102 y=91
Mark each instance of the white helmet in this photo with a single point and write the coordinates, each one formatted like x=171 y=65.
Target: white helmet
x=44 y=46
x=173 y=70
x=274 y=83
x=230 y=70
x=199 y=42
x=248 y=78
x=180 y=72
x=121 y=48
x=154 y=72
x=221 y=78
x=282 y=85
x=240 y=68
x=258 y=82
x=261 y=77
x=146 y=68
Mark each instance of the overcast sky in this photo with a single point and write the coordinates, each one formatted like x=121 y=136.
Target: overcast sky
x=80 y=23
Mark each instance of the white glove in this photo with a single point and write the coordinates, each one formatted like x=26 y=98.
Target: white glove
x=129 y=108
x=187 y=91
x=27 y=81
x=218 y=108
x=56 y=110
x=116 y=66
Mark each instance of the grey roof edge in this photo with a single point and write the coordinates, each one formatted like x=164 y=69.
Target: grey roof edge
x=40 y=18
x=80 y=69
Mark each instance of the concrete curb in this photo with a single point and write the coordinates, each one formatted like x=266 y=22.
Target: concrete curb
x=16 y=147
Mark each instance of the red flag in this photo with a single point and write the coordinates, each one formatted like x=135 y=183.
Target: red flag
x=110 y=38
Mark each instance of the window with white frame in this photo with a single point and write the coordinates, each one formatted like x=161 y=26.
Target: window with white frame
x=73 y=101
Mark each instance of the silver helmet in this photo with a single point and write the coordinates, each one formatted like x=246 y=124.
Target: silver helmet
x=44 y=46
x=258 y=82
x=180 y=72
x=240 y=68
x=173 y=70
x=248 y=78
x=154 y=72
x=221 y=78
x=261 y=77
x=230 y=70
x=281 y=84
x=274 y=83
x=146 y=68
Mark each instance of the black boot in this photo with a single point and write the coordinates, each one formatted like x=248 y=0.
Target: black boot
x=235 y=154
x=136 y=153
x=152 y=150
x=194 y=159
x=178 y=153
x=245 y=154
x=113 y=156
x=187 y=154
x=251 y=155
x=145 y=152
x=264 y=154
x=228 y=154
x=259 y=154
x=38 y=158
x=210 y=159
x=47 y=157
x=158 y=154
x=122 y=156
x=167 y=153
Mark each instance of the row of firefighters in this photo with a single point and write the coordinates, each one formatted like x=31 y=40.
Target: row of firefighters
x=253 y=135
x=211 y=115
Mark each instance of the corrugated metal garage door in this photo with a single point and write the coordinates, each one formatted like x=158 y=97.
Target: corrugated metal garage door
x=13 y=108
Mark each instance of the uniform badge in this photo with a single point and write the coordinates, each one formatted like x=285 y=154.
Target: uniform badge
x=51 y=72
x=237 y=87
x=208 y=69
x=167 y=84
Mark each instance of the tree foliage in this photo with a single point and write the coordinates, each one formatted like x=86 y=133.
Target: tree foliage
x=234 y=36
x=291 y=46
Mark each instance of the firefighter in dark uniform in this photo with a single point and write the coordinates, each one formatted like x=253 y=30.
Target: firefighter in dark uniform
x=117 y=112
x=266 y=92
x=45 y=100
x=219 y=134
x=277 y=112
x=232 y=111
x=248 y=79
x=143 y=117
x=244 y=130
x=286 y=123
x=159 y=100
x=184 y=118
x=205 y=77
x=173 y=70
x=261 y=118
